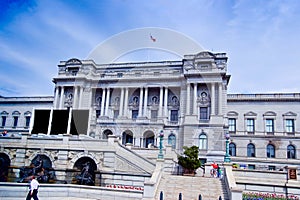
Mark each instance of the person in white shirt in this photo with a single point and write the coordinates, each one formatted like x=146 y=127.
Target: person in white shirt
x=34 y=186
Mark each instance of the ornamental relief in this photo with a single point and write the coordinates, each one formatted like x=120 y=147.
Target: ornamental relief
x=11 y=154
x=121 y=165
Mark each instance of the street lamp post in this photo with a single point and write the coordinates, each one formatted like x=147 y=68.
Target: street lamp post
x=161 y=137
x=227 y=156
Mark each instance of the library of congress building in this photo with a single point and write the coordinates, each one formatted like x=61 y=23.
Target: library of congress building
x=186 y=101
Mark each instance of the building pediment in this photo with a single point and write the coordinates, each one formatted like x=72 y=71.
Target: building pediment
x=232 y=114
x=290 y=114
x=269 y=113
x=249 y=114
x=73 y=61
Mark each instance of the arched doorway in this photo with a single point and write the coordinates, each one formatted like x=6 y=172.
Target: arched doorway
x=106 y=133
x=127 y=137
x=87 y=168
x=41 y=167
x=148 y=139
x=4 y=165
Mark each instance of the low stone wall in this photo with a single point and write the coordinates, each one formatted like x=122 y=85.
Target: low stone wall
x=266 y=182
x=59 y=191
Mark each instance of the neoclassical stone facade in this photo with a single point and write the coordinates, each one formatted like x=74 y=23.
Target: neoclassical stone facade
x=186 y=99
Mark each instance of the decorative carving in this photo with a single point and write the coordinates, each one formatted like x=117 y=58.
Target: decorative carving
x=73 y=61
x=203 y=99
x=86 y=175
x=122 y=165
x=40 y=167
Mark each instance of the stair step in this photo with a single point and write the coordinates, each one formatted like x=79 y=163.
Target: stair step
x=190 y=187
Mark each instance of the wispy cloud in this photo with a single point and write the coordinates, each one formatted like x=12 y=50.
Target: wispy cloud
x=260 y=37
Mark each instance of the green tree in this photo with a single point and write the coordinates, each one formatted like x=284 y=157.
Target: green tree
x=189 y=161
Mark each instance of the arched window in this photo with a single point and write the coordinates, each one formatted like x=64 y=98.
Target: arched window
x=172 y=141
x=270 y=151
x=291 y=152
x=202 y=141
x=250 y=150
x=232 y=149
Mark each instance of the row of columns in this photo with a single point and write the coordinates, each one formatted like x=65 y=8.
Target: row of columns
x=213 y=96
x=59 y=99
x=143 y=102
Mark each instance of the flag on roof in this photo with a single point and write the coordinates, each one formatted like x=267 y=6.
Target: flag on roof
x=152 y=38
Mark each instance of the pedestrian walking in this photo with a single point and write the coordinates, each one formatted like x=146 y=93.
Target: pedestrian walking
x=33 y=190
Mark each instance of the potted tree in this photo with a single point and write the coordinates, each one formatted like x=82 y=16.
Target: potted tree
x=189 y=161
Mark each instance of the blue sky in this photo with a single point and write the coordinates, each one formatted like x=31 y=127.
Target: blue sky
x=261 y=37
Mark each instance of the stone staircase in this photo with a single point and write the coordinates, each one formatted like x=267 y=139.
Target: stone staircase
x=190 y=188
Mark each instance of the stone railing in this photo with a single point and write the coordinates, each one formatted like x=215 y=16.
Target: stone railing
x=150 y=186
x=233 y=191
x=64 y=191
x=266 y=181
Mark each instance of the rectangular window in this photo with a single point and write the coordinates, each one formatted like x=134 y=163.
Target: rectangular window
x=251 y=166
x=203 y=113
x=116 y=114
x=154 y=114
x=134 y=114
x=27 y=121
x=270 y=125
x=232 y=125
x=15 y=121
x=3 y=121
x=271 y=167
x=289 y=125
x=250 y=125
x=174 y=116
x=97 y=114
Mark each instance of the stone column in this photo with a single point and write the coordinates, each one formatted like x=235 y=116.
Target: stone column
x=220 y=99
x=188 y=100
x=145 y=102
x=50 y=122
x=195 y=99
x=103 y=101
x=62 y=96
x=141 y=102
x=80 y=96
x=121 y=102
x=69 y=121
x=166 y=103
x=126 y=103
x=75 y=97
x=160 y=102
x=213 y=97
x=56 y=99
x=107 y=101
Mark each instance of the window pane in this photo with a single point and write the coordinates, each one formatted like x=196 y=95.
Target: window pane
x=116 y=114
x=270 y=151
x=269 y=125
x=97 y=113
x=15 y=121
x=174 y=115
x=232 y=124
x=3 y=121
x=203 y=113
x=27 y=122
x=154 y=114
x=289 y=125
x=232 y=149
x=251 y=150
x=250 y=125
x=291 y=152
x=202 y=141
x=135 y=114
